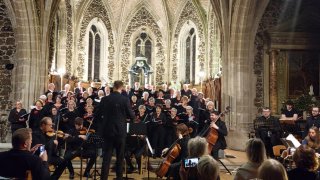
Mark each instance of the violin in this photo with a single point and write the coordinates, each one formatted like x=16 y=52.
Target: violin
x=59 y=134
x=84 y=131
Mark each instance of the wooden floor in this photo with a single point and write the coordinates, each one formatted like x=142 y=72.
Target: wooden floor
x=231 y=163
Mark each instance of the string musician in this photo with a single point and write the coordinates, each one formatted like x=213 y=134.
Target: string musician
x=135 y=144
x=312 y=140
x=182 y=133
x=41 y=136
x=78 y=145
x=220 y=126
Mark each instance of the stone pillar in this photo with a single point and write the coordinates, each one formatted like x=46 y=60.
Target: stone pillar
x=273 y=80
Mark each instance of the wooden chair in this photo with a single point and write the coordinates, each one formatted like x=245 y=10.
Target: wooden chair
x=28 y=175
x=277 y=150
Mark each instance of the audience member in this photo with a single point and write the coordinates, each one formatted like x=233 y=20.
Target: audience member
x=208 y=168
x=306 y=163
x=20 y=159
x=256 y=154
x=272 y=170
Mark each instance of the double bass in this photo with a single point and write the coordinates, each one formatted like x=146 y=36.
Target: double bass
x=212 y=135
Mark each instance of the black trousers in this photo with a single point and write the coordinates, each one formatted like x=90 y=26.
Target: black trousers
x=86 y=153
x=60 y=165
x=111 y=143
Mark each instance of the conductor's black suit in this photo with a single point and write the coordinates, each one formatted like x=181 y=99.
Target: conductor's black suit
x=115 y=109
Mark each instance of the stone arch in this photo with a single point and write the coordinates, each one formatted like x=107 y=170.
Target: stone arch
x=190 y=14
x=95 y=10
x=144 y=19
x=214 y=49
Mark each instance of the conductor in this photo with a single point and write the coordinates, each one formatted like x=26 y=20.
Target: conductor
x=114 y=109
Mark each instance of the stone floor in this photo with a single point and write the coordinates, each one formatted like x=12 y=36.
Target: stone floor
x=231 y=163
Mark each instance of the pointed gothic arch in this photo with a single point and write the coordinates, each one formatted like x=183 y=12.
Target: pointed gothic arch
x=143 y=19
x=96 y=10
x=188 y=15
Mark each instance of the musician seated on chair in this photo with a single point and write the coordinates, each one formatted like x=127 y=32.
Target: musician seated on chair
x=268 y=129
x=20 y=159
x=312 y=140
x=216 y=123
x=79 y=146
x=182 y=133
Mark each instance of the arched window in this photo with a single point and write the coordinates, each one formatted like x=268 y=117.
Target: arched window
x=94 y=54
x=190 y=63
x=144 y=46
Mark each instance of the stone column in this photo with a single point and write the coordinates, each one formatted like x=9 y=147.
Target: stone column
x=273 y=80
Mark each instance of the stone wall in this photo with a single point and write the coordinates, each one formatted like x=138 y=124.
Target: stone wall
x=7 y=51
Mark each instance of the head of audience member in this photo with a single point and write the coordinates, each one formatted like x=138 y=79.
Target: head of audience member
x=315 y=111
x=210 y=106
x=18 y=105
x=22 y=139
x=46 y=124
x=50 y=97
x=51 y=87
x=266 y=112
x=289 y=105
x=255 y=151
x=208 y=168
x=305 y=158
x=272 y=170
x=118 y=86
x=197 y=147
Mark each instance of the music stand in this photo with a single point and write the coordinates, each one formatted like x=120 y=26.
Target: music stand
x=152 y=154
x=136 y=129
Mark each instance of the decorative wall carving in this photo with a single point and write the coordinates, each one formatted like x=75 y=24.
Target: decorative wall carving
x=269 y=20
x=142 y=19
x=52 y=43
x=69 y=37
x=96 y=9
x=7 y=51
x=188 y=13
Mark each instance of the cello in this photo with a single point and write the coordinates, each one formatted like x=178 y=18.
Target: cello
x=212 y=135
x=170 y=156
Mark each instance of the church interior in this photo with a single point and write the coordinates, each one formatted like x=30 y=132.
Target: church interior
x=243 y=54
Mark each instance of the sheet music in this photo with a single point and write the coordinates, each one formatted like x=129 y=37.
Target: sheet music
x=295 y=142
